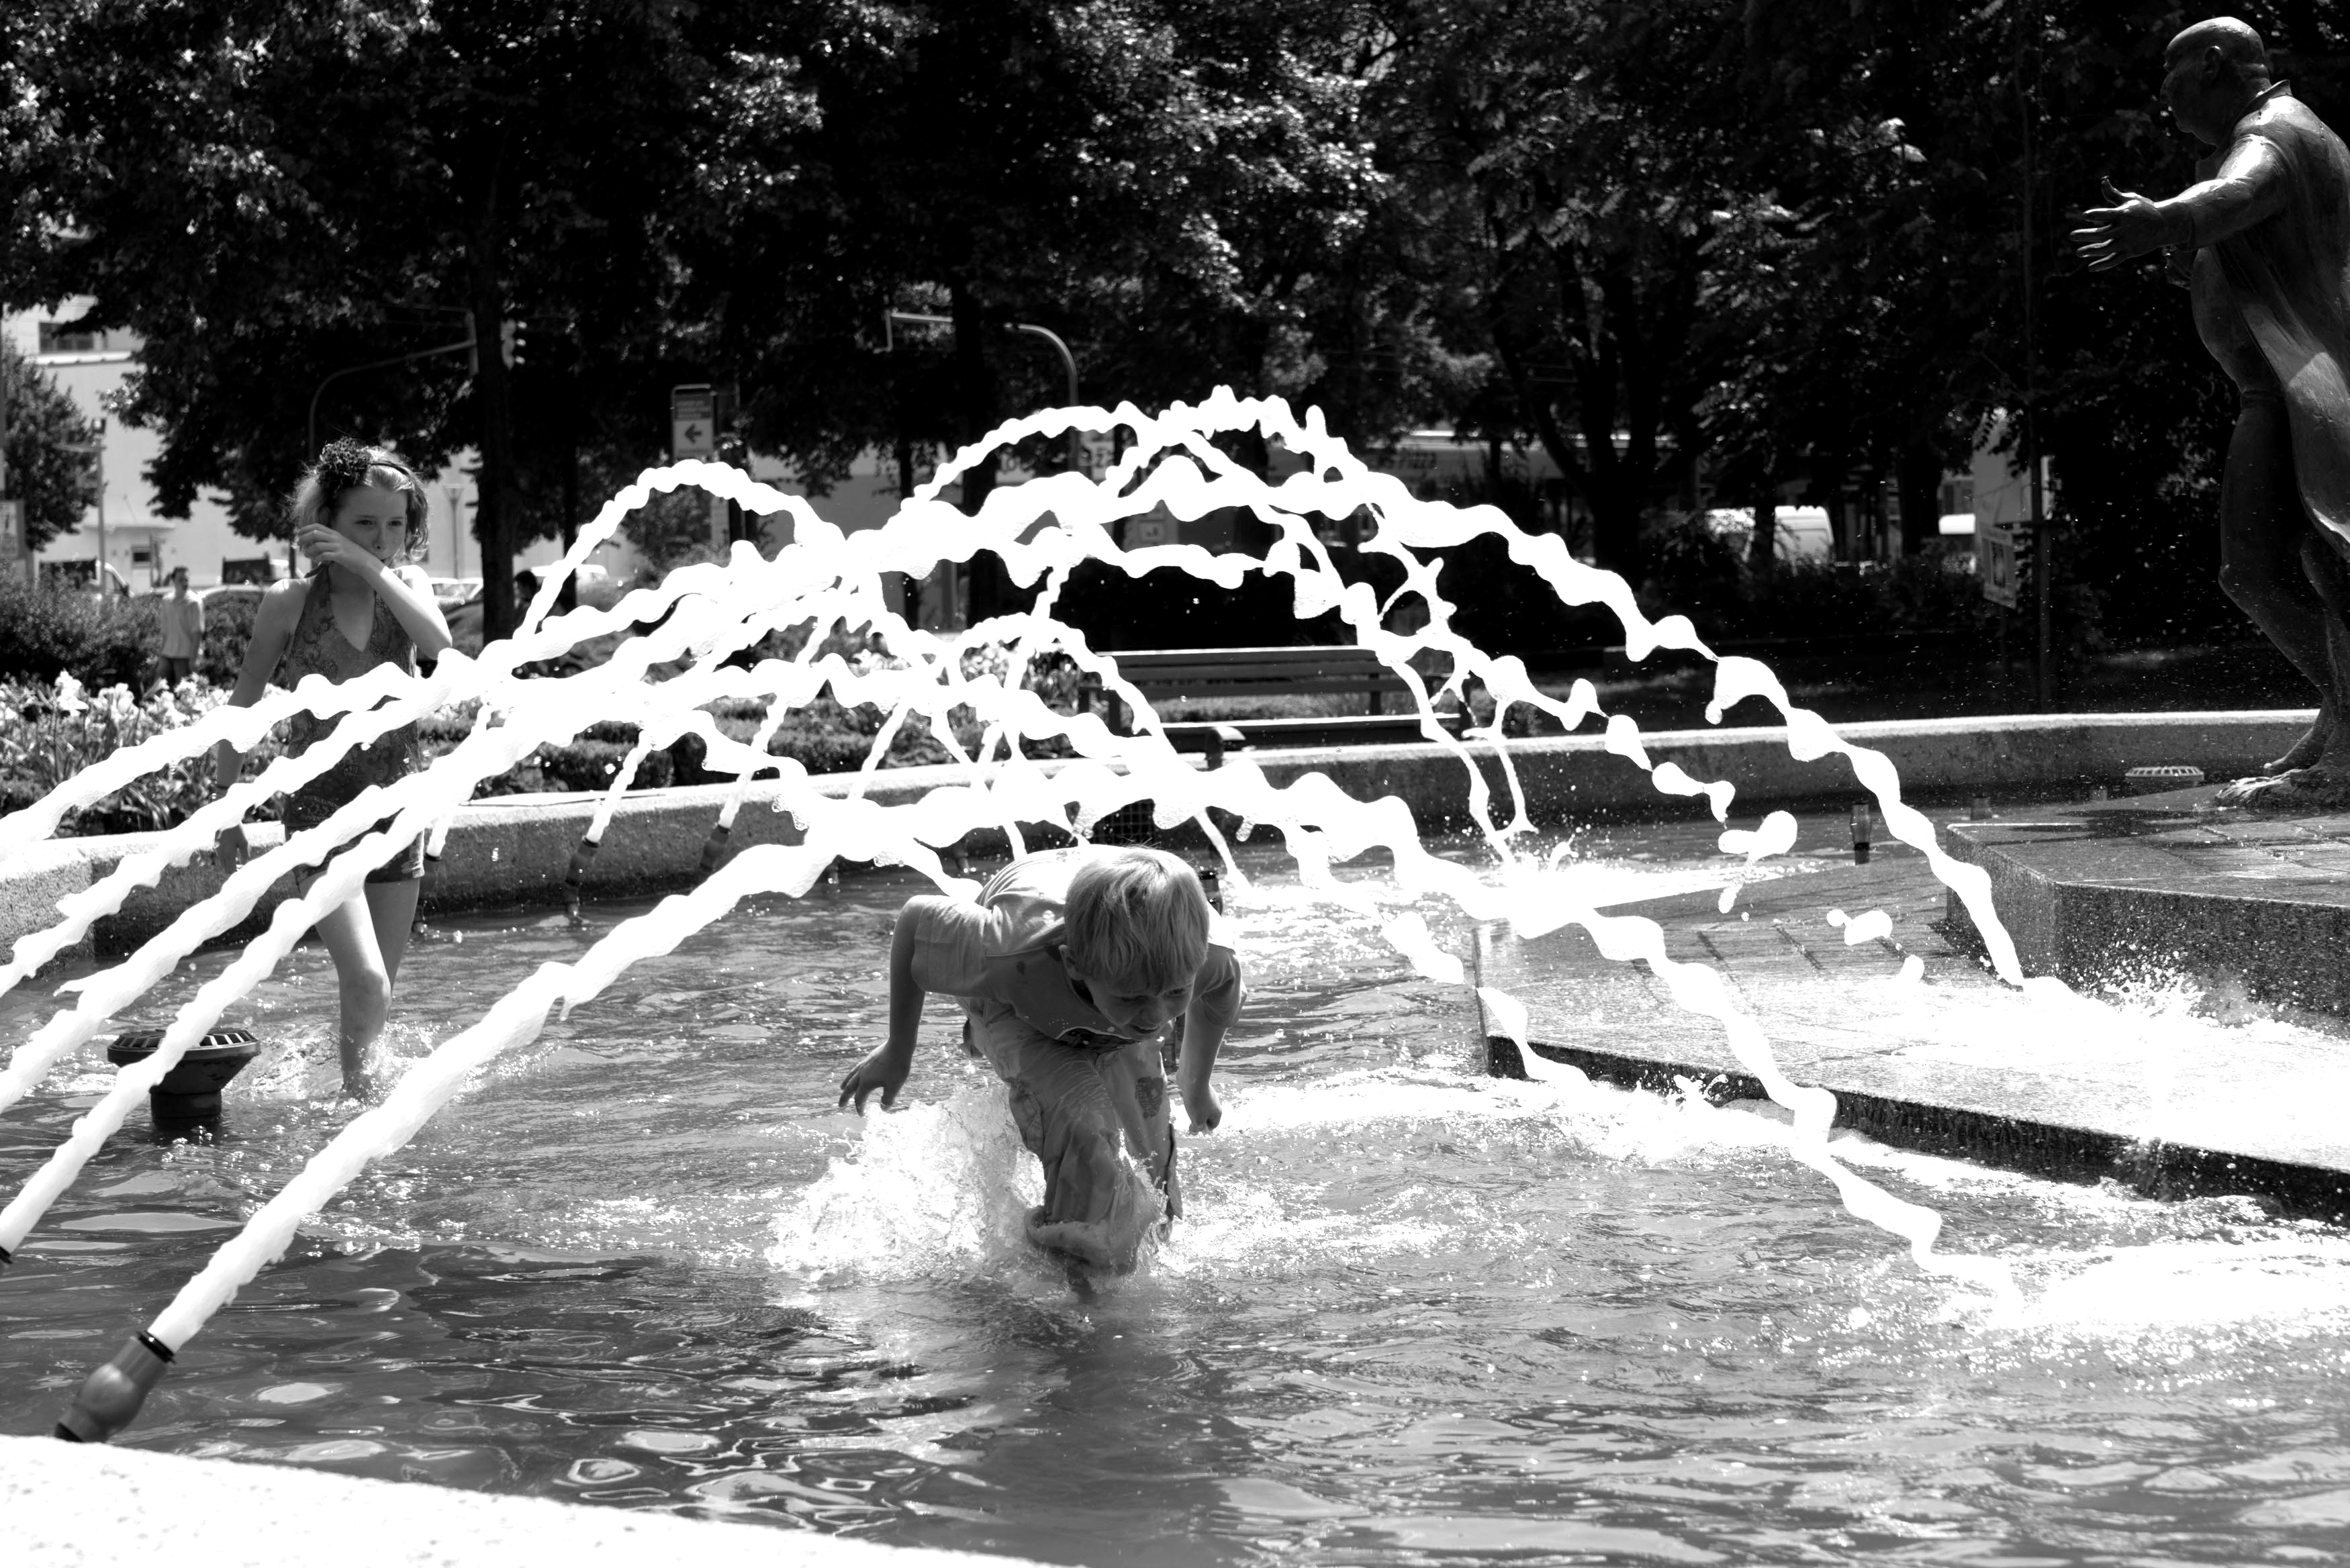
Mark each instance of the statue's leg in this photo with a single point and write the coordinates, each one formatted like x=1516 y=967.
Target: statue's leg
x=2262 y=531
x=2322 y=557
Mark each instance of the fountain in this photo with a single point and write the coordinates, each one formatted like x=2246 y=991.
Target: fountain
x=829 y=578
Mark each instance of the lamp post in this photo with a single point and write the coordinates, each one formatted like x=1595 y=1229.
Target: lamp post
x=467 y=346
x=96 y=451
x=893 y=319
x=17 y=531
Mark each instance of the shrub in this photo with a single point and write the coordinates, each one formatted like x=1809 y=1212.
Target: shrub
x=46 y=632
x=228 y=626
x=48 y=733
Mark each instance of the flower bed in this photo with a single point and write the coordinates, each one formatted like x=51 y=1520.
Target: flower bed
x=49 y=731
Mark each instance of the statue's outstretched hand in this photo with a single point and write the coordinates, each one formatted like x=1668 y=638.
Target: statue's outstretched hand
x=2130 y=228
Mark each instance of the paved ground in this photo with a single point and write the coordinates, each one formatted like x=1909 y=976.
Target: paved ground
x=2176 y=1089
x=2169 y=880
x=73 y=1507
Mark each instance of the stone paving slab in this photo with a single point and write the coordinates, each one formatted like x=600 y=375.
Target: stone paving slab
x=1955 y=1062
x=68 y=1506
x=2170 y=882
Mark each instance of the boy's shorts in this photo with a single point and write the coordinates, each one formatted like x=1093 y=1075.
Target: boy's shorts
x=1074 y=1107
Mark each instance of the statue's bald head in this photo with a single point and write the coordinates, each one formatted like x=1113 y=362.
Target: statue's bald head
x=2236 y=42
x=2212 y=75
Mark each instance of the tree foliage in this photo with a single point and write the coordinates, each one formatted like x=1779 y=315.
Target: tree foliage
x=58 y=483
x=1779 y=247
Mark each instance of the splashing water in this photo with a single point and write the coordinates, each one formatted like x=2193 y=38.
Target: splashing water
x=828 y=580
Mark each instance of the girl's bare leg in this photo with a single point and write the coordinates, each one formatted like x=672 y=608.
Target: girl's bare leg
x=391 y=909
x=362 y=979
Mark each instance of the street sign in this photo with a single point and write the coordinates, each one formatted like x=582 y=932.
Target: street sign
x=2003 y=556
x=693 y=421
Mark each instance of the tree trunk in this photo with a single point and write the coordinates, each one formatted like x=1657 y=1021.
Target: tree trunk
x=568 y=597
x=1920 y=474
x=1763 y=545
x=498 y=512
x=1616 y=509
x=909 y=595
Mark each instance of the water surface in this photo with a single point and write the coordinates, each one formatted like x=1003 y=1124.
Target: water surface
x=1414 y=1316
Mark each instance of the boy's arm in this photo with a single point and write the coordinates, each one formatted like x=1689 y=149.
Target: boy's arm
x=888 y=1068
x=1215 y=1003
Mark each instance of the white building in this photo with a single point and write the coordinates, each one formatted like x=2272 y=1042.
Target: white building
x=130 y=534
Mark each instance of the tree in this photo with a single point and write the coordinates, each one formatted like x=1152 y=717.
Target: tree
x=57 y=484
x=270 y=190
x=1162 y=185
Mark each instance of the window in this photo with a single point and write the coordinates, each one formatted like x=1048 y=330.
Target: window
x=70 y=338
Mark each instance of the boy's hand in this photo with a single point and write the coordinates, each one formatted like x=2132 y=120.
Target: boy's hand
x=1205 y=1112
x=885 y=1070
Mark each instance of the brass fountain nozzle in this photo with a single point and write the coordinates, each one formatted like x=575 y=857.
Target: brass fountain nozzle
x=581 y=858
x=111 y=1395
x=713 y=848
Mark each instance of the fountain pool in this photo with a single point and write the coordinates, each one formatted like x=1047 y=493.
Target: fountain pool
x=1416 y=1316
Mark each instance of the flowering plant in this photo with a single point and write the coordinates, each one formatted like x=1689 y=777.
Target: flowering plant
x=49 y=733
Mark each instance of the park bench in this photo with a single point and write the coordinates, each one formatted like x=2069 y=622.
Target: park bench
x=1391 y=713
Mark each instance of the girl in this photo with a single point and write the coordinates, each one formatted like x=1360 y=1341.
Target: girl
x=358 y=514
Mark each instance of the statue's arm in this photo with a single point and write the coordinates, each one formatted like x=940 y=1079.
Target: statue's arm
x=2248 y=186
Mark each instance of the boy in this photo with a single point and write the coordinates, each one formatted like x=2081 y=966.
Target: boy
x=1069 y=968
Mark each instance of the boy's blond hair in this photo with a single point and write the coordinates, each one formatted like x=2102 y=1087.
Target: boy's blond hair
x=1137 y=920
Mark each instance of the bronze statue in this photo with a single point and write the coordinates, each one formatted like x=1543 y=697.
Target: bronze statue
x=2262 y=242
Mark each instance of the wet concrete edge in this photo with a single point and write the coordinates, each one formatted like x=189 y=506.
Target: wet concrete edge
x=2087 y=930
x=2051 y=1149
x=513 y=852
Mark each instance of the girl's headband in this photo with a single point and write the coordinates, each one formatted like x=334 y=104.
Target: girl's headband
x=343 y=466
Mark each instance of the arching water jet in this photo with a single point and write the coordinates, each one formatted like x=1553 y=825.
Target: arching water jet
x=828 y=579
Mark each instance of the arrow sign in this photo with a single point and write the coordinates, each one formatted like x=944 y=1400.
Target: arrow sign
x=692 y=418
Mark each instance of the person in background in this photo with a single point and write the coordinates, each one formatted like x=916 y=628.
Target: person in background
x=183 y=629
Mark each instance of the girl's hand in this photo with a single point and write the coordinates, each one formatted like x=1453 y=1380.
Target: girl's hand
x=325 y=546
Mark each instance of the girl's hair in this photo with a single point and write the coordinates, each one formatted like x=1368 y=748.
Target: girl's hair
x=1138 y=919
x=346 y=465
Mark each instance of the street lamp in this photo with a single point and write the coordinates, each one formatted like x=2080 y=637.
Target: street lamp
x=96 y=451
x=467 y=346
x=893 y=319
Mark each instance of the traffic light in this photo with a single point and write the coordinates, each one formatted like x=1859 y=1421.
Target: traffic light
x=512 y=343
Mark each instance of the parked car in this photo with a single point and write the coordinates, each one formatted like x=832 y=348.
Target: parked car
x=451 y=592
x=82 y=574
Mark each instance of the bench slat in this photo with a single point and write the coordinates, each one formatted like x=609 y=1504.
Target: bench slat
x=1306 y=651
x=1155 y=687
x=1343 y=729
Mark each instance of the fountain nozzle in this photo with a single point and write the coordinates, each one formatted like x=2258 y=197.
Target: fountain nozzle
x=1864 y=828
x=581 y=858
x=111 y=1395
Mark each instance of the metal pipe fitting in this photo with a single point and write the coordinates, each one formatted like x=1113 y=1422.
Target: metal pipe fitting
x=111 y=1395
